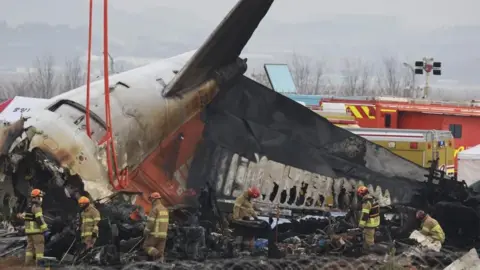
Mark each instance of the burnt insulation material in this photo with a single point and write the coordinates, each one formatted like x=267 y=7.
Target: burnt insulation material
x=250 y=119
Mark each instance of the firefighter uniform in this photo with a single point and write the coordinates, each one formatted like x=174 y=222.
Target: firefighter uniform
x=35 y=227
x=369 y=219
x=156 y=229
x=243 y=207
x=431 y=228
x=89 y=225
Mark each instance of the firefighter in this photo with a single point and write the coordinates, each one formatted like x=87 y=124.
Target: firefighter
x=156 y=229
x=243 y=208
x=430 y=227
x=370 y=216
x=35 y=228
x=89 y=219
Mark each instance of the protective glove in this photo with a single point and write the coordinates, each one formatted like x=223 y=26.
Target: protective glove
x=46 y=234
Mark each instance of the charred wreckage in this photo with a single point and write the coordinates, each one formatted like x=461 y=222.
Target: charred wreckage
x=205 y=233
x=306 y=168
x=295 y=220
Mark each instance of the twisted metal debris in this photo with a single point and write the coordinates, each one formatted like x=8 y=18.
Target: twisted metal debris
x=422 y=260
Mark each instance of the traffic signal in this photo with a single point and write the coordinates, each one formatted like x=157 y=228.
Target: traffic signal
x=428 y=66
x=419 y=64
x=437 y=68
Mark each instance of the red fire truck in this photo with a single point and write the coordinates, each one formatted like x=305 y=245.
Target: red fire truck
x=461 y=118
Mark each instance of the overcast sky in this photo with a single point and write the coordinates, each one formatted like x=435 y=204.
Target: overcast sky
x=405 y=31
x=420 y=13
x=424 y=13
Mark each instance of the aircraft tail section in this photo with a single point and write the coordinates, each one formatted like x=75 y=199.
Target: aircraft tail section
x=222 y=48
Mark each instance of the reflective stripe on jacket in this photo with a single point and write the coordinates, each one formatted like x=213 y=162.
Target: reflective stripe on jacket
x=431 y=227
x=243 y=207
x=157 y=222
x=34 y=222
x=370 y=216
x=89 y=221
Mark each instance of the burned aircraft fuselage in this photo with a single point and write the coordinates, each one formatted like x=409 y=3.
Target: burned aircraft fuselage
x=154 y=113
x=55 y=140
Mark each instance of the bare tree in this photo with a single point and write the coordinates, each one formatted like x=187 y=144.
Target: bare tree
x=261 y=78
x=73 y=74
x=351 y=76
x=16 y=87
x=43 y=79
x=317 y=85
x=307 y=76
x=365 y=86
x=4 y=91
x=392 y=78
x=331 y=88
x=356 y=77
x=301 y=72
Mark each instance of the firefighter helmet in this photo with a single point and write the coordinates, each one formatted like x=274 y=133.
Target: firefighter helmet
x=362 y=191
x=253 y=192
x=155 y=195
x=36 y=193
x=83 y=200
x=420 y=214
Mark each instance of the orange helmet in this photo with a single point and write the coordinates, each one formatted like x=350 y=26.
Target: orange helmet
x=155 y=195
x=362 y=191
x=83 y=200
x=254 y=192
x=36 y=193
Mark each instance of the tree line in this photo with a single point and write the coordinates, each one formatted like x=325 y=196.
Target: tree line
x=46 y=79
x=358 y=78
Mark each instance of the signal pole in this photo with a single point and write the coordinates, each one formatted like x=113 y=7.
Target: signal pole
x=428 y=65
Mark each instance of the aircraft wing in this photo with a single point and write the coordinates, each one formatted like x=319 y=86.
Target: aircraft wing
x=222 y=47
x=251 y=123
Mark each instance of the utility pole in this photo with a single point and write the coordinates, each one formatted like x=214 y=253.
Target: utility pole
x=428 y=65
x=413 y=77
x=112 y=63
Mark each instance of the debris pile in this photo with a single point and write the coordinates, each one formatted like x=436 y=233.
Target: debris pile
x=294 y=230
x=322 y=241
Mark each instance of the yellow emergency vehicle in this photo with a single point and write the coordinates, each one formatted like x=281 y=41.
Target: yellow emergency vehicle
x=339 y=119
x=418 y=146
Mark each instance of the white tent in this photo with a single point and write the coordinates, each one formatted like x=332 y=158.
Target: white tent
x=469 y=165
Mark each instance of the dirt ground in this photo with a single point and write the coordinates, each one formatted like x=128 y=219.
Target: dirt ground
x=294 y=263
x=13 y=263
